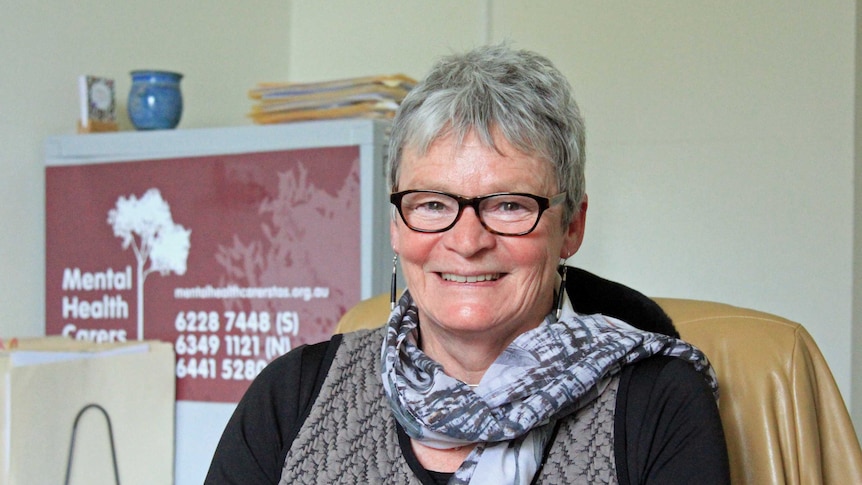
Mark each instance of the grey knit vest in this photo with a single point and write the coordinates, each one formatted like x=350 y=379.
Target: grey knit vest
x=350 y=434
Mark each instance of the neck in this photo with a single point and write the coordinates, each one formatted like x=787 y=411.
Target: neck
x=464 y=356
x=461 y=360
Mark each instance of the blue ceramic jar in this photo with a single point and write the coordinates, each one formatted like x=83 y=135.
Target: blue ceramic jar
x=155 y=100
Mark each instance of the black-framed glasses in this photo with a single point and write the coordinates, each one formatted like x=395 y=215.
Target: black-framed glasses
x=505 y=214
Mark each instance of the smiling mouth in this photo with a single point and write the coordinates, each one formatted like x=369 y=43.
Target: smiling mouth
x=470 y=279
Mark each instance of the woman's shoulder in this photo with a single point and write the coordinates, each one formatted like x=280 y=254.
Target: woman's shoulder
x=666 y=414
x=291 y=364
x=662 y=375
x=297 y=375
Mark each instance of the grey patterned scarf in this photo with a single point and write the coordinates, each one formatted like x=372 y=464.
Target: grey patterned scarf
x=545 y=374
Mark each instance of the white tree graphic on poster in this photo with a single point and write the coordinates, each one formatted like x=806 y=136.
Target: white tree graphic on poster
x=146 y=225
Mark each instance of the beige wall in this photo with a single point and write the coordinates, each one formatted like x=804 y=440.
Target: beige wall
x=720 y=135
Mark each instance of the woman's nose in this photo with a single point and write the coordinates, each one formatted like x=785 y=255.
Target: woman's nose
x=468 y=236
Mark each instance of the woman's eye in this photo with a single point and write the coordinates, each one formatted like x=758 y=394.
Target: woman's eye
x=509 y=206
x=432 y=206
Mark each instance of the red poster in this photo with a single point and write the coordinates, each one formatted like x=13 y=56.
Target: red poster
x=235 y=259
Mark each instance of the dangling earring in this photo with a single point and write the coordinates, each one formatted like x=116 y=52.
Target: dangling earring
x=394 y=283
x=561 y=290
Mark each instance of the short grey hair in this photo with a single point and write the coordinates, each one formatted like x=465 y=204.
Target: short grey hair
x=495 y=89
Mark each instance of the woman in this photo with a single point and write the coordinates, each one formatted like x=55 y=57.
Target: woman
x=486 y=374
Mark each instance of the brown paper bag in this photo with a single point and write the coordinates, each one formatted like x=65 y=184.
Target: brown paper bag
x=46 y=382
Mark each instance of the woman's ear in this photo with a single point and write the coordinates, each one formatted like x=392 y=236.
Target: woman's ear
x=394 y=240
x=575 y=230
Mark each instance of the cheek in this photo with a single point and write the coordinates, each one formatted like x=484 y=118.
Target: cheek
x=535 y=257
x=411 y=246
x=540 y=256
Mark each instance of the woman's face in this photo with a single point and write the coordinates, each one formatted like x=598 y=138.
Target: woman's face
x=516 y=274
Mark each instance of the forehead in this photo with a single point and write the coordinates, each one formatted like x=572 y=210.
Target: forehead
x=471 y=167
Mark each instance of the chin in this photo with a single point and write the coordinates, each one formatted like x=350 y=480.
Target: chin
x=469 y=318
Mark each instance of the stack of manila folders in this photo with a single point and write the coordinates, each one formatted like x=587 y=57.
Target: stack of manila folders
x=361 y=97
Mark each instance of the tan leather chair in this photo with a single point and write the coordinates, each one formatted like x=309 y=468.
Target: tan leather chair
x=783 y=416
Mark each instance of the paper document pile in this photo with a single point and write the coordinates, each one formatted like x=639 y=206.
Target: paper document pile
x=362 y=97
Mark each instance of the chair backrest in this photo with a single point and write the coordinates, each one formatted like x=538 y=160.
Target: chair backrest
x=783 y=416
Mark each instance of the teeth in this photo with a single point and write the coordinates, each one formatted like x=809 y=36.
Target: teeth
x=470 y=279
